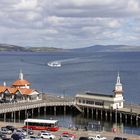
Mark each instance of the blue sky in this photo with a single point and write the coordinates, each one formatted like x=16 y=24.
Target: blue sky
x=70 y=23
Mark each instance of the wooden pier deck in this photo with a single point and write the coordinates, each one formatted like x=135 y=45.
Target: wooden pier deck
x=129 y=112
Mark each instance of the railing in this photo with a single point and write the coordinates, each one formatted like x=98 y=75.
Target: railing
x=30 y=105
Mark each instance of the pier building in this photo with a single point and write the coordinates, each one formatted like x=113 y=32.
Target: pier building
x=19 y=91
x=104 y=101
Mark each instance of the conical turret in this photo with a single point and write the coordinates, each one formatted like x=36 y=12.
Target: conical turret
x=118 y=87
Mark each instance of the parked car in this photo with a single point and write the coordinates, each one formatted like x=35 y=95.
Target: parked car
x=119 y=138
x=21 y=131
x=4 y=130
x=83 y=138
x=66 y=137
x=33 y=137
x=70 y=134
x=10 y=127
x=7 y=139
x=43 y=131
x=47 y=135
x=97 y=137
x=30 y=131
x=18 y=136
x=2 y=136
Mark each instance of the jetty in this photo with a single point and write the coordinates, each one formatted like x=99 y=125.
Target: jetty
x=130 y=113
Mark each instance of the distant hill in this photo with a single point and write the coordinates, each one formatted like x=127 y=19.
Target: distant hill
x=45 y=49
x=108 y=48
x=7 y=47
x=94 y=48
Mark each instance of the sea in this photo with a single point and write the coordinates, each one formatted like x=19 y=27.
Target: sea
x=80 y=71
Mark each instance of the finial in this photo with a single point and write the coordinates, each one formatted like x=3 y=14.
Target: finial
x=21 y=75
x=118 y=79
x=4 y=83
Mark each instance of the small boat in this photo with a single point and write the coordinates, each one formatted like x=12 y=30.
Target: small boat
x=54 y=64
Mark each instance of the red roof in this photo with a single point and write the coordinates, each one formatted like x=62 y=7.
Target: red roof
x=21 y=83
x=2 y=88
x=11 y=90
x=25 y=91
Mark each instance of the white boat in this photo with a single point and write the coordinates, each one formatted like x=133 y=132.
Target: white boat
x=54 y=64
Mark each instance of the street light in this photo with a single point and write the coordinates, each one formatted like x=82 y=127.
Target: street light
x=116 y=119
x=14 y=114
x=27 y=124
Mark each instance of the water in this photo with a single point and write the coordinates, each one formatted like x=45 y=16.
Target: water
x=95 y=72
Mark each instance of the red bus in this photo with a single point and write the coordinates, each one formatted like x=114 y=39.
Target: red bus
x=41 y=124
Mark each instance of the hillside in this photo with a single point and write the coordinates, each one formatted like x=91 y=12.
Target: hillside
x=94 y=48
x=7 y=47
x=108 y=48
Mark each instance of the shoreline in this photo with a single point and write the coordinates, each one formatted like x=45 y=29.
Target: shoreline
x=81 y=132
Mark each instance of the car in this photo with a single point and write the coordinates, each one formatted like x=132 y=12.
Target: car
x=33 y=137
x=47 y=135
x=66 y=137
x=7 y=139
x=10 y=127
x=43 y=131
x=70 y=134
x=16 y=136
x=4 y=130
x=30 y=131
x=119 y=138
x=83 y=138
x=2 y=136
x=21 y=131
x=97 y=137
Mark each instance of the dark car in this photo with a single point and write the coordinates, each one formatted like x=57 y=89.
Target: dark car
x=120 y=138
x=4 y=130
x=30 y=131
x=83 y=138
x=2 y=136
x=16 y=136
x=10 y=127
x=7 y=139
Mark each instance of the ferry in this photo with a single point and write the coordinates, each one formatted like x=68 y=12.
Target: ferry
x=54 y=64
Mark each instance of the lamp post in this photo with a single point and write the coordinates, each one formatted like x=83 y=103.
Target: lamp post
x=116 y=119
x=14 y=114
x=27 y=125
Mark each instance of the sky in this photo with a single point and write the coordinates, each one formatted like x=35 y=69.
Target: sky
x=69 y=23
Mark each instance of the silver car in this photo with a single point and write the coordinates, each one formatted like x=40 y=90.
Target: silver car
x=66 y=137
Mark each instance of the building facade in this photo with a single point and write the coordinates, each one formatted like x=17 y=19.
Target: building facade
x=19 y=91
x=96 y=100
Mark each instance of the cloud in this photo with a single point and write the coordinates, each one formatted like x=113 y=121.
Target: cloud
x=73 y=23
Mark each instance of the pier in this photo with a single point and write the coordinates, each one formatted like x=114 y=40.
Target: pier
x=129 y=114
